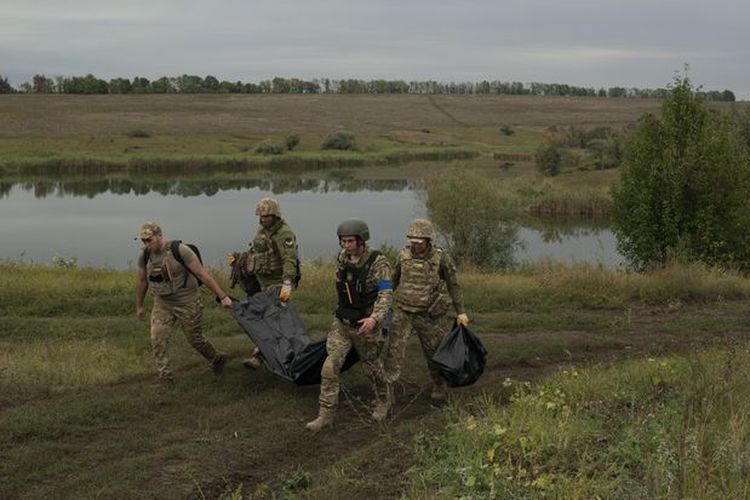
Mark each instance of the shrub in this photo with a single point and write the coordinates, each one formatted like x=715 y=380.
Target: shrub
x=548 y=157
x=292 y=141
x=343 y=141
x=475 y=220
x=507 y=130
x=268 y=148
x=139 y=133
x=684 y=187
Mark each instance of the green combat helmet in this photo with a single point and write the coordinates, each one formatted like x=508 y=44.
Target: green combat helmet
x=421 y=229
x=354 y=227
x=268 y=206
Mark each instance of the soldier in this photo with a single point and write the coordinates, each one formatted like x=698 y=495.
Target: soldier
x=363 y=285
x=424 y=277
x=270 y=262
x=173 y=281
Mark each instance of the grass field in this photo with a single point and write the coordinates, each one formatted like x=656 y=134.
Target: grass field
x=80 y=415
x=219 y=131
x=599 y=384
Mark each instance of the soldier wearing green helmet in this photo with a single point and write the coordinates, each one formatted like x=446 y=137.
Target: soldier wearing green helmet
x=363 y=286
x=426 y=286
x=271 y=261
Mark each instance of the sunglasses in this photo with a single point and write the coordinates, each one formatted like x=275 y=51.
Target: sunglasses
x=146 y=241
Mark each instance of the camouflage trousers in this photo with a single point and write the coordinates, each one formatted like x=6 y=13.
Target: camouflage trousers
x=342 y=338
x=190 y=317
x=430 y=332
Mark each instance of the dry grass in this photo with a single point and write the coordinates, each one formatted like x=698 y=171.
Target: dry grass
x=260 y=115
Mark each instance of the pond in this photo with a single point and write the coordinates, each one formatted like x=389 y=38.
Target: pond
x=95 y=221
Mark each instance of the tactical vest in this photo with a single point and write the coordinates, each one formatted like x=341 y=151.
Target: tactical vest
x=265 y=257
x=163 y=274
x=420 y=287
x=356 y=299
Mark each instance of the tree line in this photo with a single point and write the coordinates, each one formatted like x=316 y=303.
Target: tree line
x=194 y=84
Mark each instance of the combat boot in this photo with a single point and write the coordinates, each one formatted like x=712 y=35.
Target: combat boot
x=218 y=365
x=253 y=363
x=383 y=405
x=324 y=419
x=439 y=392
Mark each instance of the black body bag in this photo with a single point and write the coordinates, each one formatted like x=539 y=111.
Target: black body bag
x=461 y=357
x=277 y=331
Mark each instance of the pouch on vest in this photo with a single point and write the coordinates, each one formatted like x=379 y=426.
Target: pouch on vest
x=174 y=248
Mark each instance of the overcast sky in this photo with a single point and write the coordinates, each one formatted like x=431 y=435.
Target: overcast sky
x=598 y=43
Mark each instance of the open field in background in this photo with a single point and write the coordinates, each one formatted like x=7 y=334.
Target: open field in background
x=81 y=417
x=220 y=131
x=599 y=383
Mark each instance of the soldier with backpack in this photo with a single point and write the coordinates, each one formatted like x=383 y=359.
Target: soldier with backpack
x=173 y=272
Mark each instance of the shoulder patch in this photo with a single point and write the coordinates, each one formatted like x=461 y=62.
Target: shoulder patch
x=289 y=242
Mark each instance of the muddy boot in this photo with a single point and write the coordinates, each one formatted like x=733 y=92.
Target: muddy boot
x=325 y=419
x=252 y=363
x=383 y=405
x=255 y=361
x=439 y=392
x=218 y=364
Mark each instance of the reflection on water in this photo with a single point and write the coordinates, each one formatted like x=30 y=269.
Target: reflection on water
x=95 y=221
x=195 y=187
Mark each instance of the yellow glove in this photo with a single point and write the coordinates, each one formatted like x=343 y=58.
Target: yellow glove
x=286 y=292
x=462 y=319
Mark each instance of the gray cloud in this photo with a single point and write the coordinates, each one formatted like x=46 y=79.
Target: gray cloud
x=582 y=42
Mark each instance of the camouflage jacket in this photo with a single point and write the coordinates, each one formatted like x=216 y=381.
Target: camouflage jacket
x=424 y=282
x=272 y=256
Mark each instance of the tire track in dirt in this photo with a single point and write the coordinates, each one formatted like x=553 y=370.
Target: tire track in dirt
x=442 y=110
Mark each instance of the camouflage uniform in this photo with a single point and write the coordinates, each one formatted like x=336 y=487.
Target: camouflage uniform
x=176 y=299
x=272 y=256
x=426 y=286
x=343 y=336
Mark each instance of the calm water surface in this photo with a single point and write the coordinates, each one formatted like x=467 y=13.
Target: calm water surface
x=96 y=222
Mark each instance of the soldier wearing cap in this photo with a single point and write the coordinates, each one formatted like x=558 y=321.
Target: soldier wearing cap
x=270 y=262
x=176 y=297
x=426 y=286
x=363 y=286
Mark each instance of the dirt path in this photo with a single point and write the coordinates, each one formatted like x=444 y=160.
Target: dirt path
x=382 y=454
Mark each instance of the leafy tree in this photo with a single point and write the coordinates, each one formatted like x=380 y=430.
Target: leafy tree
x=684 y=188
x=120 y=86
x=548 y=157
x=5 y=87
x=292 y=140
x=475 y=221
x=141 y=85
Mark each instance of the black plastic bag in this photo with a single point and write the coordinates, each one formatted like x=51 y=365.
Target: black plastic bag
x=277 y=331
x=461 y=357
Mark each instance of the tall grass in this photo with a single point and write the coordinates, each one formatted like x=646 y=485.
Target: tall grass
x=154 y=164
x=65 y=327
x=658 y=428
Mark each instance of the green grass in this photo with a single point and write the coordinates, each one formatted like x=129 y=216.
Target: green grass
x=81 y=417
x=673 y=427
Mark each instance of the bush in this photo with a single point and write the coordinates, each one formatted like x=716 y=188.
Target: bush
x=507 y=130
x=268 y=148
x=684 y=188
x=292 y=141
x=343 y=141
x=475 y=220
x=548 y=157
x=139 y=133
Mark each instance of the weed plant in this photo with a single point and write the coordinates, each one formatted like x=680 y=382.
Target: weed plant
x=674 y=427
